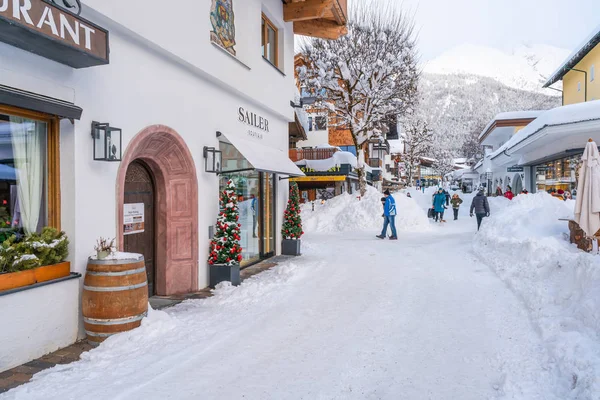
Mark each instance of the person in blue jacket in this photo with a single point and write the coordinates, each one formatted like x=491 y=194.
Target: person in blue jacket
x=439 y=205
x=389 y=216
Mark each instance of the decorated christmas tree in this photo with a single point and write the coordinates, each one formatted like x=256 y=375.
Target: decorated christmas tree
x=225 y=246
x=292 y=222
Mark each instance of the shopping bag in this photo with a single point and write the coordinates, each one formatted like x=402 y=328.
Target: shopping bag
x=430 y=213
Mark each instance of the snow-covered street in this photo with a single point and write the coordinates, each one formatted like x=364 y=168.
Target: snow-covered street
x=354 y=318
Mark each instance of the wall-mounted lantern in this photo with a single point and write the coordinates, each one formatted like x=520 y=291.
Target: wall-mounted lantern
x=212 y=159
x=107 y=142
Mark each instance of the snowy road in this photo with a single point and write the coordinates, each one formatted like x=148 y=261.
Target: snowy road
x=354 y=318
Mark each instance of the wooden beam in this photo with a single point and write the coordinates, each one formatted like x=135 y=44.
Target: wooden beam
x=320 y=28
x=307 y=10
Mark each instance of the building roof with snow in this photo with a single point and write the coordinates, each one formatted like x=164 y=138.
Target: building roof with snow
x=575 y=57
x=396 y=146
x=505 y=119
x=556 y=117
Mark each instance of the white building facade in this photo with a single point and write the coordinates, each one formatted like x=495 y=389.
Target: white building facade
x=174 y=78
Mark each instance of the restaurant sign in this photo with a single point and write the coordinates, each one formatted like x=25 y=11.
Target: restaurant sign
x=45 y=29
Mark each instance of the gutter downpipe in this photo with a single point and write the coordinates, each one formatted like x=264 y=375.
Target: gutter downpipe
x=585 y=77
x=562 y=95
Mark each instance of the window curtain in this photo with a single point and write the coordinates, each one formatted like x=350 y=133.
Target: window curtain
x=27 y=143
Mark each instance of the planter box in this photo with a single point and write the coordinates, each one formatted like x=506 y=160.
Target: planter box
x=290 y=247
x=14 y=280
x=224 y=273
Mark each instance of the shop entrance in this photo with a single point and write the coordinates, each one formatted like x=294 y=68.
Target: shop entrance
x=139 y=237
x=163 y=177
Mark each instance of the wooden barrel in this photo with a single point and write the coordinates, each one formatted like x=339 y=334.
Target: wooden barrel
x=115 y=297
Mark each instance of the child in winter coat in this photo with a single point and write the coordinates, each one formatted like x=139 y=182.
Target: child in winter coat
x=456 y=202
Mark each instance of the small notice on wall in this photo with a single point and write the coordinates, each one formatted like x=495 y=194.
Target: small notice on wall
x=133 y=218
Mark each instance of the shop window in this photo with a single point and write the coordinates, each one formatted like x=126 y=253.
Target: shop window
x=270 y=41
x=28 y=171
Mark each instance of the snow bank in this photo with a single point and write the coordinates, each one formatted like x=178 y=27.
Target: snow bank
x=526 y=245
x=345 y=213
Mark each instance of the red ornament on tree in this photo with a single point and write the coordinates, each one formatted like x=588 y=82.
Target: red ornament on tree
x=226 y=240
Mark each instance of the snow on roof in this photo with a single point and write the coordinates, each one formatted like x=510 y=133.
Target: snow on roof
x=479 y=164
x=571 y=114
x=577 y=55
x=338 y=158
x=507 y=116
x=396 y=146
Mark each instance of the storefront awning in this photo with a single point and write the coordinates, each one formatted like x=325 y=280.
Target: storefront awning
x=264 y=158
x=35 y=102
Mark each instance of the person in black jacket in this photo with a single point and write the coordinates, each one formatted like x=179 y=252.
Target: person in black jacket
x=481 y=207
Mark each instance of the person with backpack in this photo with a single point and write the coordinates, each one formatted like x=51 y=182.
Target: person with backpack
x=389 y=216
x=481 y=207
x=456 y=202
x=439 y=205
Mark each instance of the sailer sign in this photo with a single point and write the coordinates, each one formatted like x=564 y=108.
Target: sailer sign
x=45 y=29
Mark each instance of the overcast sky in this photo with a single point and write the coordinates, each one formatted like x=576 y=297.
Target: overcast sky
x=503 y=24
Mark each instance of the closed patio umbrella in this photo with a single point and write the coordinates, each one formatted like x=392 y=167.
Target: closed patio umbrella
x=587 y=205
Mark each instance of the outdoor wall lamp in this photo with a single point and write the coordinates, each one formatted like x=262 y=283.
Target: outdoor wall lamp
x=213 y=159
x=107 y=142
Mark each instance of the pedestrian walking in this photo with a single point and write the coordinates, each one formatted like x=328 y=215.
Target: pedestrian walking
x=389 y=216
x=481 y=207
x=447 y=198
x=456 y=202
x=439 y=205
x=499 y=191
x=509 y=194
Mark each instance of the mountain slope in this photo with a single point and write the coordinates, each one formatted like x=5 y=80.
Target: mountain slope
x=464 y=88
x=525 y=68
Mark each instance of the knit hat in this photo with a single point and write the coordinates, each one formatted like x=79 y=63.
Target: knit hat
x=387 y=192
x=560 y=191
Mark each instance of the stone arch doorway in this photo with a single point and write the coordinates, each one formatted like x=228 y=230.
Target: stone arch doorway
x=165 y=155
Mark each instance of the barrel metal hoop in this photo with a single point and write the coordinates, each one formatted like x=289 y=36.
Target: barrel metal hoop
x=121 y=273
x=95 y=334
x=114 y=288
x=115 y=321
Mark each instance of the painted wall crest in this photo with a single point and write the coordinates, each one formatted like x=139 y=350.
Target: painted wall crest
x=223 y=24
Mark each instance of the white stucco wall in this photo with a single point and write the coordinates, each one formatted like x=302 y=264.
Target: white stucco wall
x=37 y=321
x=163 y=70
x=314 y=138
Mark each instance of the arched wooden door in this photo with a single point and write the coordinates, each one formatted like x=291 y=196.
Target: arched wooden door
x=140 y=237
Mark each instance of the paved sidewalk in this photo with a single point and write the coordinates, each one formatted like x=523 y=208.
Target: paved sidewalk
x=23 y=373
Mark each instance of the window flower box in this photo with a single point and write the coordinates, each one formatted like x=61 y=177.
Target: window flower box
x=13 y=280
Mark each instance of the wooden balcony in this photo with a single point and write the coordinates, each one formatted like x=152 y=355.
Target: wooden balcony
x=326 y=19
x=311 y=154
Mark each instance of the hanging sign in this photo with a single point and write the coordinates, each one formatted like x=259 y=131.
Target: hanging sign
x=45 y=29
x=133 y=218
x=514 y=168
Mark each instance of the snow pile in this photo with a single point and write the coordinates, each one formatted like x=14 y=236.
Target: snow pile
x=345 y=213
x=526 y=245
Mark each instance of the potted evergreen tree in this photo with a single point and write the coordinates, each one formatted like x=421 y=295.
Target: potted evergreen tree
x=291 y=230
x=225 y=250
